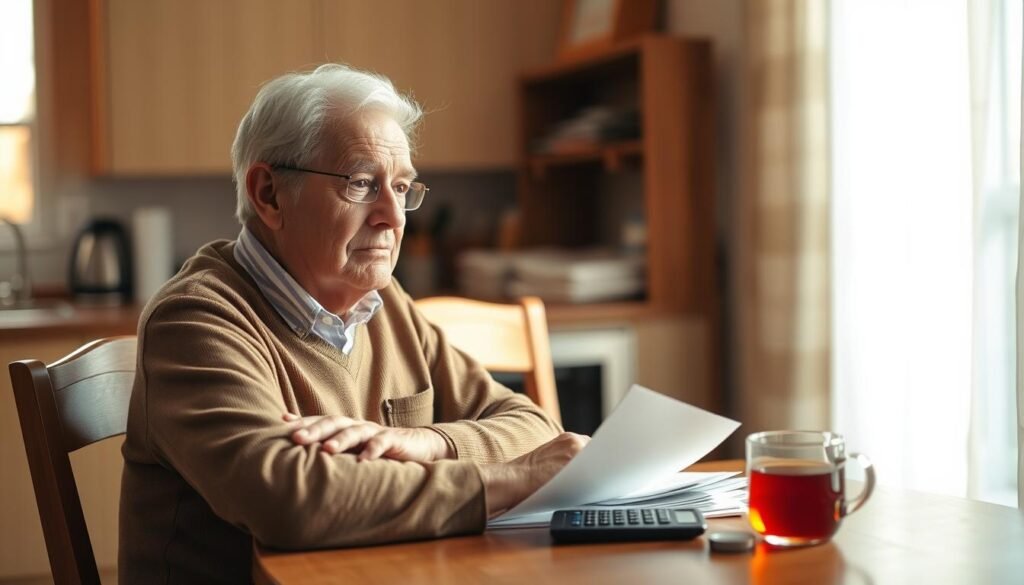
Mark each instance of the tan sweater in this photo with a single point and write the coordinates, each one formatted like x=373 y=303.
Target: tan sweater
x=209 y=465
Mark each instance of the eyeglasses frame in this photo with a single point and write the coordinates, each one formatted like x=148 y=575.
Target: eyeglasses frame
x=349 y=178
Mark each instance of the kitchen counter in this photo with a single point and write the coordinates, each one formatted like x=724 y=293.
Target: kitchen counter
x=74 y=319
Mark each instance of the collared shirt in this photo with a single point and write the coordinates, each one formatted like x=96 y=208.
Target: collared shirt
x=303 y=314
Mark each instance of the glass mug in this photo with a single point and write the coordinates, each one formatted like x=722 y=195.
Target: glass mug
x=797 y=486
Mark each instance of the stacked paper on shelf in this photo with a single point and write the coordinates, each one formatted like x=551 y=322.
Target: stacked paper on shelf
x=577 y=292
x=564 y=276
x=483 y=274
x=555 y=275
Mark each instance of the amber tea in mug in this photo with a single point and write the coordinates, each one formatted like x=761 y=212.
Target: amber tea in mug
x=797 y=487
x=798 y=499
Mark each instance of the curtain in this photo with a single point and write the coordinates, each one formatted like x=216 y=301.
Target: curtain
x=925 y=198
x=782 y=247
x=1020 y=319
x=994 y=50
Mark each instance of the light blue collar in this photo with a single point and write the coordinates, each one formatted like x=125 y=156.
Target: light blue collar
x=302 y=313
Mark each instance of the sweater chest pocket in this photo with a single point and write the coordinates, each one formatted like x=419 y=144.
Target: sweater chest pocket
x=410 y=411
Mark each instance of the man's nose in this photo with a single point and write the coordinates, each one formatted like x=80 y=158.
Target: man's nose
x=387 y=210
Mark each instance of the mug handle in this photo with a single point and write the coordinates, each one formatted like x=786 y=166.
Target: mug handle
x=851 y=506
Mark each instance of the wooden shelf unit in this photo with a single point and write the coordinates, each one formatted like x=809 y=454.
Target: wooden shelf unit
x=613 y=156
x=565 y=197
x=617 y=312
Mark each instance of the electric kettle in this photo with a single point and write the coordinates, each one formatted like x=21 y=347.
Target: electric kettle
x=101 y=264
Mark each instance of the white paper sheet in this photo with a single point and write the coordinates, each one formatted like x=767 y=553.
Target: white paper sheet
x=647 y=438
x=684 y=481
x=714 y=494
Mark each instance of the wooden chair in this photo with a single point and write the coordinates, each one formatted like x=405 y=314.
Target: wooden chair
x=76 y=401
x=503 y=338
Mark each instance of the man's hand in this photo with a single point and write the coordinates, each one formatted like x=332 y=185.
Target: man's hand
x=339 y=434
x=507 y=484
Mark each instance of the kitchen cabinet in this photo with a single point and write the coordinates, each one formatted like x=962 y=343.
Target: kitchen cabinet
x=97 y=470
x=172 y=78
x=460 y=60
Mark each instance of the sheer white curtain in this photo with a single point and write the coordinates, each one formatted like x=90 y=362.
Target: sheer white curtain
x=1020 y=316
x=925 y=201
x=994 y=36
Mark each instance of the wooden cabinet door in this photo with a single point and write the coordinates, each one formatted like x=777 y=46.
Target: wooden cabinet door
x=459 y=59
x=179 y=74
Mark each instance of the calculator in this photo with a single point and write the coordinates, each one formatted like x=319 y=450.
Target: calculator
x=606 y=524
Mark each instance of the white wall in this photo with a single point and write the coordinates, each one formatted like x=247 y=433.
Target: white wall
x=721 y=22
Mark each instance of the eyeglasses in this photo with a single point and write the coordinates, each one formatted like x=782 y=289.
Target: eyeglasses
x=410 y=195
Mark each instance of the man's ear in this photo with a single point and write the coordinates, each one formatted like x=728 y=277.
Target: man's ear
x=264 y=195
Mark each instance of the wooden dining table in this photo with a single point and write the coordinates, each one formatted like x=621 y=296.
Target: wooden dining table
x=900 y=536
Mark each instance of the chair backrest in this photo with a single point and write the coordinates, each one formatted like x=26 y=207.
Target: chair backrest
x=78 y=400
x=503 y=338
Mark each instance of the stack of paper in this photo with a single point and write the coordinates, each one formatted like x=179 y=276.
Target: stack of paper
x=714 y=494
x=553 y=274
x=635 y=456
x=485 y=274
x=579 y=276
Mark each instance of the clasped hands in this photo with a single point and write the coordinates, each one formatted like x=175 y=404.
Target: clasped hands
x=506 y=484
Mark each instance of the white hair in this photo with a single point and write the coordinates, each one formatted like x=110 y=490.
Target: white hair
x=286 y=122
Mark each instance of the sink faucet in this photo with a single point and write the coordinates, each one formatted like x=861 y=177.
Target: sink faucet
x=17 y=290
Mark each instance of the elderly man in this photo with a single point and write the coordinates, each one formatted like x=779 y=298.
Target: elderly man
x=287 y=389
